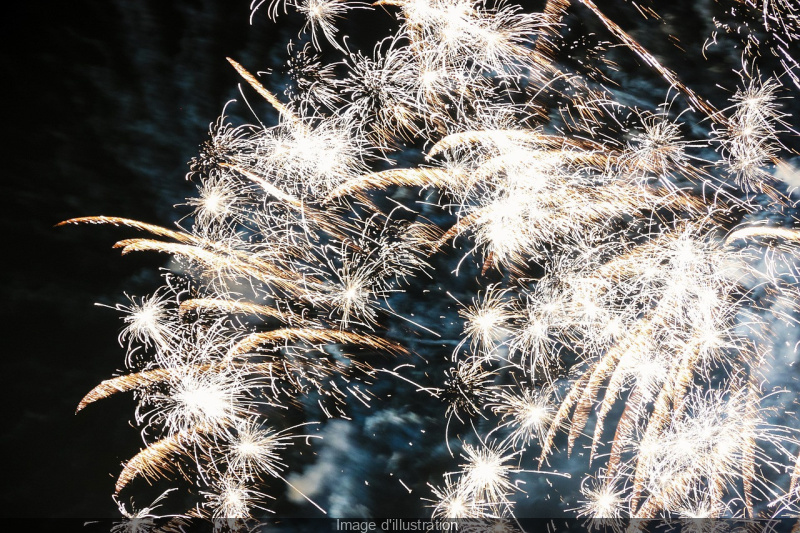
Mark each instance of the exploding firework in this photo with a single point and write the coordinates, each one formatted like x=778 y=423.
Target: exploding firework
x=624 y=292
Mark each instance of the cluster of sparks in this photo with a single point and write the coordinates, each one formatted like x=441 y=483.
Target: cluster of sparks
x=630 y=301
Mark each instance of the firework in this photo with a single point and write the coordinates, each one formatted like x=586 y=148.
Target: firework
x=620 y=290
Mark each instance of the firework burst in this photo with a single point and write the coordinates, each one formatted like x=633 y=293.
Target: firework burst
x=621 y=292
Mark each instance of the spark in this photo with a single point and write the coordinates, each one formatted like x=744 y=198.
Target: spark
x=528 y=414
x=229 y=498
x=603 y=501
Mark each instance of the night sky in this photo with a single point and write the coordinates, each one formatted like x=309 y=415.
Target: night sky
x=105 y=103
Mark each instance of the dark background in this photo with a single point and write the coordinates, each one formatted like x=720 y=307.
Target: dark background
x=104 y=103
